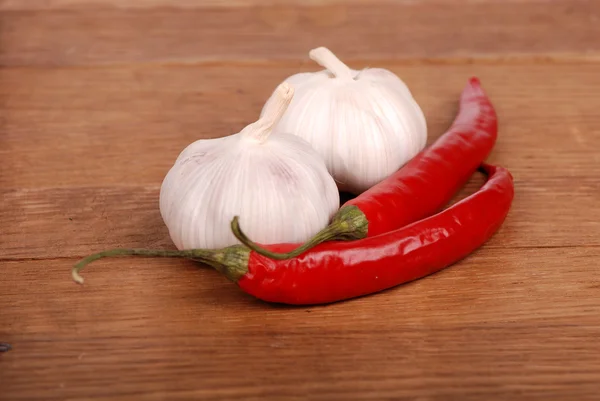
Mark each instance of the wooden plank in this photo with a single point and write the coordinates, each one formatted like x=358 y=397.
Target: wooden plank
x=404 y=30
x=83 y=149
x=499 y=325
x=69 y=222
x=83 y=167
x=86 y=127
x=195 y=4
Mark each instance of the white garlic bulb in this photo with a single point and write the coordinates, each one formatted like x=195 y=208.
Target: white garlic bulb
x=365 y=124
x=277 y=184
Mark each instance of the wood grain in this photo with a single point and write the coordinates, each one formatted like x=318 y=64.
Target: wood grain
x=194 y=4
x=126 y=125
x=69 y=222
x=97 y=98
x=527 y=325
x=404 y=30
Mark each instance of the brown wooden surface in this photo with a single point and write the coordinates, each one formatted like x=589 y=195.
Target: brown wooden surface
x=97 y=98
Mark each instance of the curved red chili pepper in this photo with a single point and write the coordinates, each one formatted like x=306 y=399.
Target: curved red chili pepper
x=421 y=187
x=335 y=271
x=428 y=181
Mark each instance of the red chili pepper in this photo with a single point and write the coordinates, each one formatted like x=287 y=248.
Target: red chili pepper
x=335 y=271
x=424 y=185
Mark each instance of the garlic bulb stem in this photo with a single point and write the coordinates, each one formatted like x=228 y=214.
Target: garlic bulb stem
x=261 y=129
x=327 y=59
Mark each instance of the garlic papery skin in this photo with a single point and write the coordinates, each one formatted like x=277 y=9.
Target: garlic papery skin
x=278 y=185
x=365 y=124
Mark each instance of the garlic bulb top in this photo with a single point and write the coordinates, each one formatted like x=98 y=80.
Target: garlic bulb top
x=277 y=184
x=365 y=124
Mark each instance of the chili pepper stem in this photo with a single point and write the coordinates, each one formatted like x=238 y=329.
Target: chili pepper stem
x=349 y=224
x=231 y=261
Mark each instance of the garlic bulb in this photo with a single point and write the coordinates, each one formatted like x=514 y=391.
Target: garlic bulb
x=365 y=124
x=277 y=184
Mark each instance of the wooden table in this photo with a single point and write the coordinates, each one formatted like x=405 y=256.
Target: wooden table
x=97 y=98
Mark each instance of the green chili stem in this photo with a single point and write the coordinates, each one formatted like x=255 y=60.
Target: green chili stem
x=324 y=235
x=349 y=224
x=231 y=261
